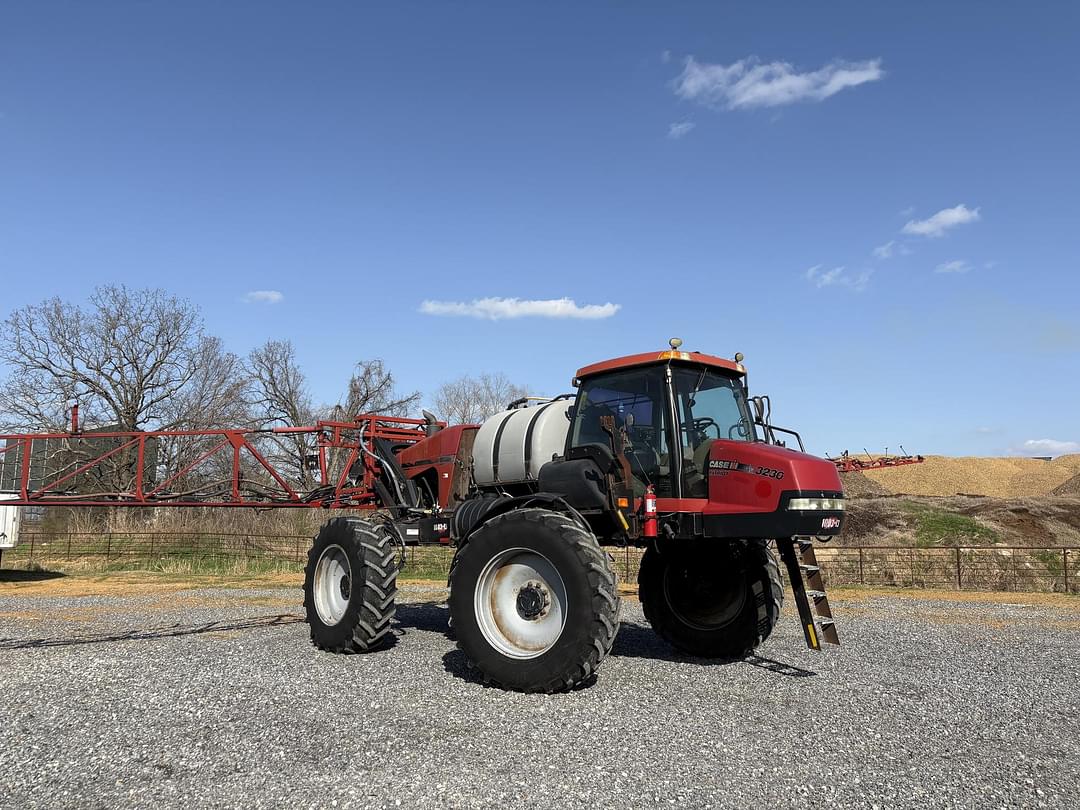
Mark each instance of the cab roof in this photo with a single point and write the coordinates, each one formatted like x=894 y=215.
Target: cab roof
x=669 y=355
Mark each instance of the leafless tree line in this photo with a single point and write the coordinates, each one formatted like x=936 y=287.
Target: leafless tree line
x=142 y=360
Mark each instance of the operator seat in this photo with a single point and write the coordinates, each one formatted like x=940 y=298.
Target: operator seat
x=592 y=432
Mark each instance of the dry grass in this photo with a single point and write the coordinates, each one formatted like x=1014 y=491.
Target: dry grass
x=127 y=583
x=141 y=583
x=855 y=594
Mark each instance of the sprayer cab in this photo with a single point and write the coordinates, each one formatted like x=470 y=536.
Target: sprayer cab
x=685 y=428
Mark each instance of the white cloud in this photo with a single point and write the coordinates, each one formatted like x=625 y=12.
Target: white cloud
x=495 y=309
x=263 y=297
x=891 y=249
x=665 y=56
x=1047 y=447
x=885 y=251
x=749 y=83
x=838 y=277
x=941 y=221
x=955 y=266
x=679 y=129
x=987 y=431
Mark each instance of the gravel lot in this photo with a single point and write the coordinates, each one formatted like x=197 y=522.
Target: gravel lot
x=214 y=697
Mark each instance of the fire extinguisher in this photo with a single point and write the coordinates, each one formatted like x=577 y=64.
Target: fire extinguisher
x=649 y=529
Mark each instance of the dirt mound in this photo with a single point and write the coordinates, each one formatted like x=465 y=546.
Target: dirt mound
x=992 y=477
x=857 y=485
x=1070 y=487
x=975 y=521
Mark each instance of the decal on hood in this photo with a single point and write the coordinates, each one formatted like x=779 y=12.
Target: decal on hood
x=720 y=466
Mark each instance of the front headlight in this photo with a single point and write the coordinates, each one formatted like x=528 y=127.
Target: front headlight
x=816 y=504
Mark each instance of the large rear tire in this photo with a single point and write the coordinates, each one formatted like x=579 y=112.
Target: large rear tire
x=534 y=601
x=350 y=584
x=712 y=599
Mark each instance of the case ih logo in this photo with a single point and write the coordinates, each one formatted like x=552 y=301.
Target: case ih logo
x=830 y=523
x=719 y=466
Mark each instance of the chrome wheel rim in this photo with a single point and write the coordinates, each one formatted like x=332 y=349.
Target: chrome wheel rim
x=332 y=587
x=520 y=603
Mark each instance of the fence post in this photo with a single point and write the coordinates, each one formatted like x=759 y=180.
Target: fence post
x=108 y=547
x=69 y=545
x=862 y=573
x=959 y=581
x=298 y=549
x=31 y=560
x=1065 y=567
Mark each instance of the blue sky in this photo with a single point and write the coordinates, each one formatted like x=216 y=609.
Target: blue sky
x=876 y=204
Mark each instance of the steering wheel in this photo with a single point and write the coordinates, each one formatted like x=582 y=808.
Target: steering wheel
x=702 y=424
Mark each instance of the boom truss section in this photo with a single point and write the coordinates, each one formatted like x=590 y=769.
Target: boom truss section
x=220 y=467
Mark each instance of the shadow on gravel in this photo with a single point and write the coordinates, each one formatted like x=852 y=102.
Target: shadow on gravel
x=457 y=665
x=144 y=634
x=637 y=641
x=632 y=641
x=429 y=617
x=19 y=575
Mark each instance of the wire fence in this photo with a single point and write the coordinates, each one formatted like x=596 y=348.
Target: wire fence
x=984 y=568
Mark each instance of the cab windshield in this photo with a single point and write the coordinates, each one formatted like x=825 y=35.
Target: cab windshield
x=707 y=405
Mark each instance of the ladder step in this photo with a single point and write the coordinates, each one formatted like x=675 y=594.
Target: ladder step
x=827 y=628
x=809 y=569
x=817 y=596
x=825 y=622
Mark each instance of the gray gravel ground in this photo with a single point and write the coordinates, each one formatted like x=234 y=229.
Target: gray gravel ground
x=215 y=698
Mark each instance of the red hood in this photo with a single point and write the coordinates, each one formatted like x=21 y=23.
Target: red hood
x=749 y=477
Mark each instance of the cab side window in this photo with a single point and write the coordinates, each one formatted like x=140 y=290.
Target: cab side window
x=637 y=394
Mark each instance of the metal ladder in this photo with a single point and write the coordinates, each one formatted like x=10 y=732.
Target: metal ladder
x=804 y=574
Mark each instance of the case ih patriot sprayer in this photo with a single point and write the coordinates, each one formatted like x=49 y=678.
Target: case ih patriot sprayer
x=662 y=450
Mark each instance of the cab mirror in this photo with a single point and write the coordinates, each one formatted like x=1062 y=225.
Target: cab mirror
x=759 y=409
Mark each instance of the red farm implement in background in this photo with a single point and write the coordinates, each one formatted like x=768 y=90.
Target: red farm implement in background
x=849 y=463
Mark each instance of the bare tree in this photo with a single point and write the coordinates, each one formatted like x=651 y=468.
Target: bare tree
x=215 y=397
x=133 y=359
x=469 y=400
x=127 y=358
x=372 y=390
x=279 y=397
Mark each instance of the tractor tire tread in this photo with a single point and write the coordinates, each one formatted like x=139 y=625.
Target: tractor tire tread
x=605 y=602
x=768 y=606
x=377 y=578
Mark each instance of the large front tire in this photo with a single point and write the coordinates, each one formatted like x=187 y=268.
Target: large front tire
x=534 y=601
x=350 y=584
x=712 y=599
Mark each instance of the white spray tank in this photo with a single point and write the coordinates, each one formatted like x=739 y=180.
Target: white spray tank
x=513 y=445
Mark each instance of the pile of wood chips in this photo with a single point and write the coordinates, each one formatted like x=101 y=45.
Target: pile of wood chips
x=972 y=475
